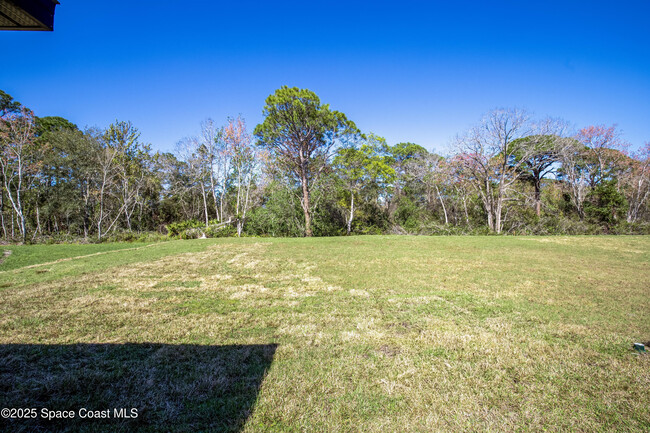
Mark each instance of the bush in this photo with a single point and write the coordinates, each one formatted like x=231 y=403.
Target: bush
x=605 y=205
x=193 y=229
x=625 y=228
x=176 y=229
x=438 y=229
x=221 y=232
x=407 y=215
x=126 y=236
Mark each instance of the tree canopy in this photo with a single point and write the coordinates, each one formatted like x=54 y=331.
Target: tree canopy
x=301 y=132
x=306 y=170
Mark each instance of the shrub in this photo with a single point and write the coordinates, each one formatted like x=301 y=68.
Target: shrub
x=605 y=205
x=178 y=228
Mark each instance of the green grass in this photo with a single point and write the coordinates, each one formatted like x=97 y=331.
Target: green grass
x=363 y=334
x=39 y=267
x=25 y=255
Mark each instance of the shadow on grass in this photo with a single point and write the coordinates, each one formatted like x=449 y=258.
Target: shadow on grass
x=180 y=388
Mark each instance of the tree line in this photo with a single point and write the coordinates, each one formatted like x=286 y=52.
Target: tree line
x=308 y=170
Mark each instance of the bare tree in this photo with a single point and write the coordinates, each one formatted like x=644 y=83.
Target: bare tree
x=437 y=177
x=16 y=145
x=190 y=152
x=213 y=150
x=129 y=160
x=244 y=162
x=637 y=183
x=595 y=154
x=575 y=174
x=106 y=164
x=492 y=155
x=605 y=151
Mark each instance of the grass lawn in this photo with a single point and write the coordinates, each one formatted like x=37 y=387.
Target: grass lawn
x=18 y=256
x=354 y=334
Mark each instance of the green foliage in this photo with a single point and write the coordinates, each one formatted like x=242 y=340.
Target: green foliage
x=178 y=228
x=50 y=124
x=364 y=165
x=314 y=173
x=605 y=205
x=8 y=104
x=365 y=173
x=126 y=236
x=434 y=228
x=214 y=231
x=295 y=118
x=329 y=218
x=408 y=215
x=279 y=215
x=194 y=229
x=300 y=133
x=402 y=152
x=625 y=228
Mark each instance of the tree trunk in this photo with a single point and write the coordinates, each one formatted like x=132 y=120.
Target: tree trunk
x=205 y=204
x=223 y=192
x=126 y=196
x=23 y=228
x=2 y=214
x=444 y=209
x=213 y=190
x=497 y=217
x=16 y=204
x=488 y=204
x=498 y=207
x=86 y=209
x=538 y=198
x=242 y=220
x=351 y=213
x=305 y=205
x=101 y=208
x=465 y=209
x=238 y=190
x=578 y=200
x=38 y=222
x=224 y=177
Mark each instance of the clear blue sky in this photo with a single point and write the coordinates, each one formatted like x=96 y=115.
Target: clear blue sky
x=409 y=71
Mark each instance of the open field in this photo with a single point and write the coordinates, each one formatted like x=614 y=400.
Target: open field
x=358 y=334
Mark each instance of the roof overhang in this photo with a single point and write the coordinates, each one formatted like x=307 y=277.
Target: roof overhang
x=27 y=14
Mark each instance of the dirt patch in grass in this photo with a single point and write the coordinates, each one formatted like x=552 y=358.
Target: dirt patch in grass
x=5 y=254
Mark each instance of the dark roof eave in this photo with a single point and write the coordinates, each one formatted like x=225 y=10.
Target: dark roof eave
x=41 y=11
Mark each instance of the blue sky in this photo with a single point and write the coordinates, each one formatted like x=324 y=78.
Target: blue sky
x=409 y=71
